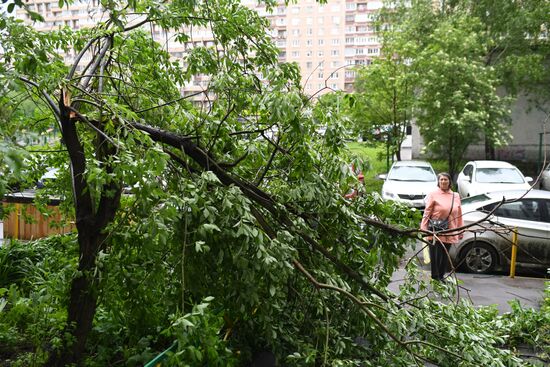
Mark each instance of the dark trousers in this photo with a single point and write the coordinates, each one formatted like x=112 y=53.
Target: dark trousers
x=439 y=259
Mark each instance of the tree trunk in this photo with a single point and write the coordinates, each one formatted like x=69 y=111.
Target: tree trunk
x=82 y=303
x=489 y=150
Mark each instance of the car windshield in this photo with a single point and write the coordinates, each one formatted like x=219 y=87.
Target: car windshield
x=499 y=175
x=412 y=173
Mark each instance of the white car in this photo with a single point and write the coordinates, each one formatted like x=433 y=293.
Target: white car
x=487 y=246
x=545 y=178
x=409 y=182
x=478 y=177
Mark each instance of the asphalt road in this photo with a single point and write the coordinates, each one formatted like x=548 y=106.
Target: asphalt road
x=485 y=290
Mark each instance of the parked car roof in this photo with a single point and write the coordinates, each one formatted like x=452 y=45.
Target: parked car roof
x=492 y=164
x=412 y=163
x=508 y=195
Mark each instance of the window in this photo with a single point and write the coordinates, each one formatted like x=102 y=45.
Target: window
x=334 y=75
x=295 y=21
x=350 y=40
x=295 y=32
x=335 y=20
x=309 y=65
x=321 y=20
x=295 y=9
x=468 y=170
x=335 y=41
x=320 y=53
x=309 y=20
x=309 y=42
x=321 y=42
x=334 y=52
x=320 y=74
x=308 y=53
x=309 y=31
x=351 y=6
x=526 y=209
x=295 y=53
x=499 y=175
x=335 y=64
x=295 y=43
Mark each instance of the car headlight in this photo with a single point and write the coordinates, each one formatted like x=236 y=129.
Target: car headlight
x=389 y=194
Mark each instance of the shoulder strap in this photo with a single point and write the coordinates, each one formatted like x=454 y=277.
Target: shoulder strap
x=452 y=203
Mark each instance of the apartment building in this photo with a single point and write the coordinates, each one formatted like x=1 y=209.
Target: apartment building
x=327 y=41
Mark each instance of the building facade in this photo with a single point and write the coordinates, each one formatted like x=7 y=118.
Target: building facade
x=327 y=41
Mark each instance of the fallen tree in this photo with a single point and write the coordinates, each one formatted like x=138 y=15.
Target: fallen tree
x=234 y=204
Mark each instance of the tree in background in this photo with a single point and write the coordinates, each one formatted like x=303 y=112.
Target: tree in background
x=457 y=99
x=384 y=95
x=464 y=51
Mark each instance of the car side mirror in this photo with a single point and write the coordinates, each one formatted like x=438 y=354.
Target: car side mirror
x=529 y=179
x=382 y=176
x=467 y=178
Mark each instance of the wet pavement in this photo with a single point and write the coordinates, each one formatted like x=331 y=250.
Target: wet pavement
x=485 y=290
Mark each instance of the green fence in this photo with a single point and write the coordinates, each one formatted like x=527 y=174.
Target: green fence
x=157 y=361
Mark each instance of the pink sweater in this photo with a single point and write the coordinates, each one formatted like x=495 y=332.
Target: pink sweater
x=438 y=205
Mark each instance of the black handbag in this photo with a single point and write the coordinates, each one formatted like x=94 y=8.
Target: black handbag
x=436 y=225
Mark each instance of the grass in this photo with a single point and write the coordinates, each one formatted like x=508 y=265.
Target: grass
x=375 y=155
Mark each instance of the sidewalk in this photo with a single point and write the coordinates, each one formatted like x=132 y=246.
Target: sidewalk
x=485 y=290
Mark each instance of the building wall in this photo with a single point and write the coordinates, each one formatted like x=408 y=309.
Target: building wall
x=327 y=40
x=528 y=124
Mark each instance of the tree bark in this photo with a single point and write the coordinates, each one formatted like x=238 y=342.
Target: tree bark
x=82 y=303
x=489 y=150
x=90 y=223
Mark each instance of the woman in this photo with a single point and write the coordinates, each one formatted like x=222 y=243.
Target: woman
x=442 y=203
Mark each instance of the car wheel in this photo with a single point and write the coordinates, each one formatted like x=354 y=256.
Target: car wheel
x=479 y=258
